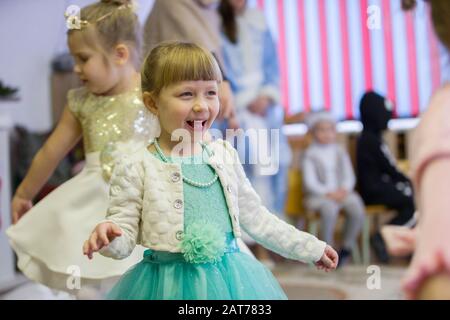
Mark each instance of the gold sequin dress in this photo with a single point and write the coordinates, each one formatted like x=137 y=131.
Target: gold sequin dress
x=48 y=240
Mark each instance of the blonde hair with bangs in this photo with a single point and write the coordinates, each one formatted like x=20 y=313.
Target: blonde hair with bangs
x=173 y=62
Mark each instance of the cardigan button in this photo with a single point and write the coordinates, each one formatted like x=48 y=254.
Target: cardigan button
x=229 y=189
x=178 y=204
x=219 y=166
x=176 y=177
x=179 y=235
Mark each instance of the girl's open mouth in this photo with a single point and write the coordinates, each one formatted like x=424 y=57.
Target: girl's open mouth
x=196 y=125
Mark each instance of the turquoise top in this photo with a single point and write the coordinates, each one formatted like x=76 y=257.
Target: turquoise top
x=204 y=204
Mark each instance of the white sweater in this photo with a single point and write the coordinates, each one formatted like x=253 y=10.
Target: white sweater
x=146 y=202
x=327 y=168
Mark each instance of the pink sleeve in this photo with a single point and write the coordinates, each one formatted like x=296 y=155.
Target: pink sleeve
x=432 y=137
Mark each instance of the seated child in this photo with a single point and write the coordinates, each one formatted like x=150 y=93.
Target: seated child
x=379 y=180
x=329 y=182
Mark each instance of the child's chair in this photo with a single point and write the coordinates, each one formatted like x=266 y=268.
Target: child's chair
x=313 y=222
x=294 y=201
x=373 y=214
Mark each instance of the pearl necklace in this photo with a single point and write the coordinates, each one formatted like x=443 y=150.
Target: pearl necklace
x=185 y=179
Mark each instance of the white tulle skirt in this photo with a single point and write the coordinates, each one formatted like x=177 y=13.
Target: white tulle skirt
x=48 y=240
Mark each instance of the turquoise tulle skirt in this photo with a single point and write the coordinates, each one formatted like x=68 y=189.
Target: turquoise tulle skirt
x=164 y=275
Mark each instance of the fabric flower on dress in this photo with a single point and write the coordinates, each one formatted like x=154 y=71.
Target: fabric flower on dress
x=203 y=242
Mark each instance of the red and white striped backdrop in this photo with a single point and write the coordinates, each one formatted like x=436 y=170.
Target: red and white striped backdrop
x=329 y=57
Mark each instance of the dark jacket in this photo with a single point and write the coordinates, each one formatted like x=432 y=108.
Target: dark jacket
x=375 y=171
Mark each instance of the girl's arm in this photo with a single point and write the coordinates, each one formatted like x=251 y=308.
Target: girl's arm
x=431 y=256
x=269 y=230
x=310 y=179
x=125 y=207
x=431 y=174
x=66 y=134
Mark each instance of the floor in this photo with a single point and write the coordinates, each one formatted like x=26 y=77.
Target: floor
x=349 y=283
x=299 y=281
x=23 y=289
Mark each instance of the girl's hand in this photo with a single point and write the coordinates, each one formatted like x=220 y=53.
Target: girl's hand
x=233 y=123
x=431 y=258
x=400 y=241
x=342 y=194
x=332 y=196
x=260 y=105
x=329 y=260
x=339 y=195
x=102 y=235
x=19 y=207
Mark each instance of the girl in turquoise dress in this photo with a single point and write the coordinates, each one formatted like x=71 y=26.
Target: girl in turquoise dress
x=186 y=199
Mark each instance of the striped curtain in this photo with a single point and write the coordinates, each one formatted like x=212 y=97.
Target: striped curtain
x=329 y=56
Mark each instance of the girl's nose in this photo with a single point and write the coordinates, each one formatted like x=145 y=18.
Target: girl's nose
x=199 y=107
x=76 y=69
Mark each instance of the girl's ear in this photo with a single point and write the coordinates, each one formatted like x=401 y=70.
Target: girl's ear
x=121 y=54
x=150 y=103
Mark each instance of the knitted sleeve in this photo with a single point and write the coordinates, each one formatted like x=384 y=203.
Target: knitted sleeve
x=268 y=229
x=125 y=207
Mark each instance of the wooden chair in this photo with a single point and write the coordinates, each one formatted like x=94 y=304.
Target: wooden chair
x=313 y=221
x=373 y=214
x=294 y=207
